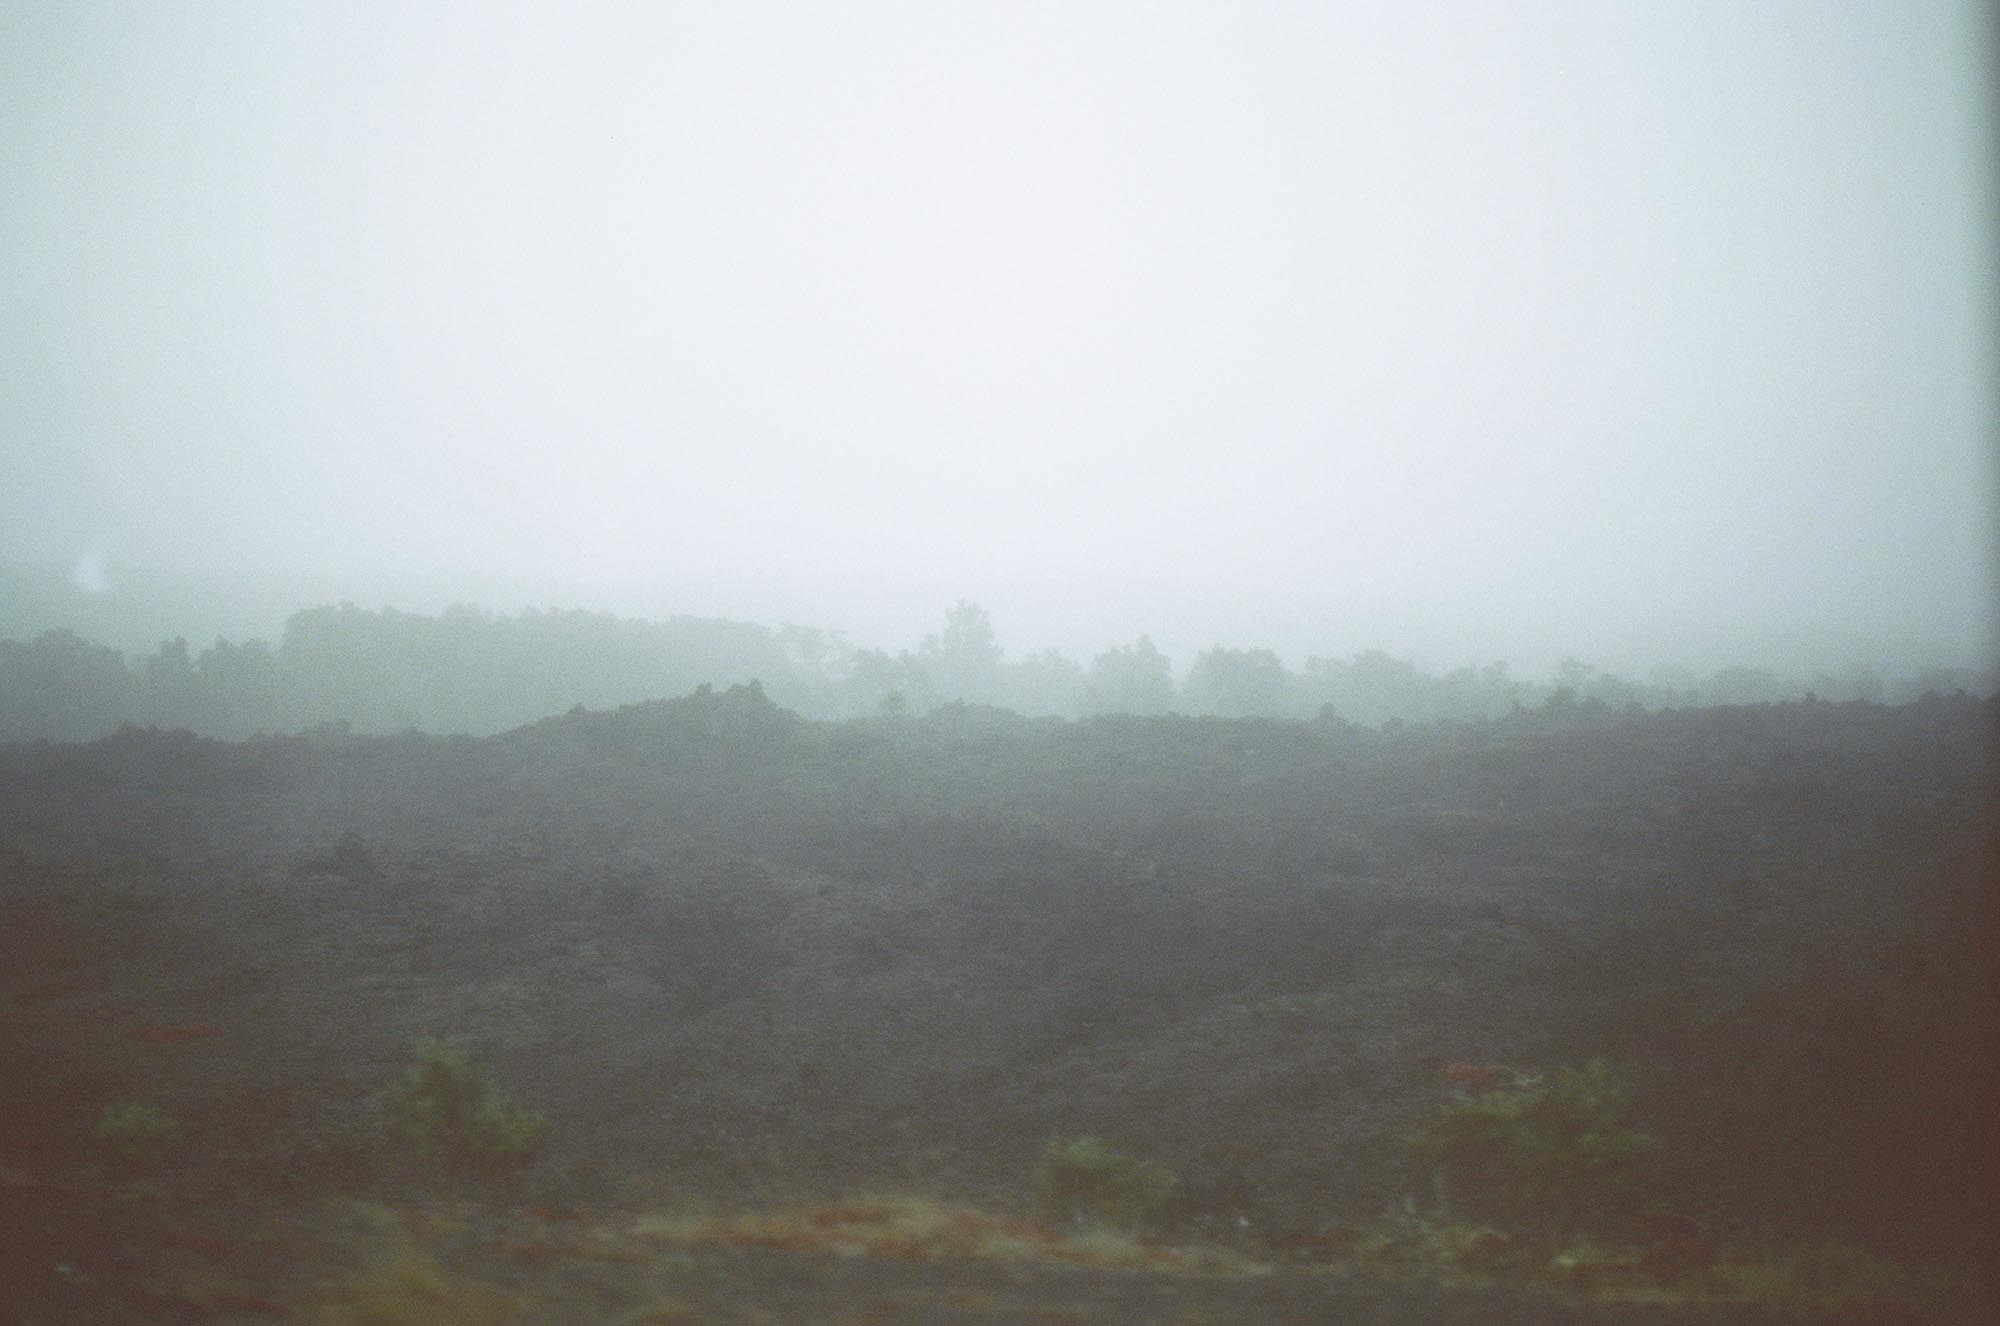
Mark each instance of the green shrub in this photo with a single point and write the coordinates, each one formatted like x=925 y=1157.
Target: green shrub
x=136 y=1135
x=448 y=1111
x=1556 y=1155
x=1083 y=1180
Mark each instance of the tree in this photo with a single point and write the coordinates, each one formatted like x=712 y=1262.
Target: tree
x=1137 y=679
x=64 y=687
x=173 y=697
x=877 y=683
x=963 y=662
x=1044 y=683
x=1237 y=683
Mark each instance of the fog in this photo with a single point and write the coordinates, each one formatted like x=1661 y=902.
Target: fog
x=1644 y=333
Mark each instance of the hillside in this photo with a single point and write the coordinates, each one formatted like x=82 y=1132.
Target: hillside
x=737 y=956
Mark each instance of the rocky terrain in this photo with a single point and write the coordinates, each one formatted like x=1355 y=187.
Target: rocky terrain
x=744 y=961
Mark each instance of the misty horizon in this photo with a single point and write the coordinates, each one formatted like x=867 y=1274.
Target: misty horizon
x=137 y=614
x=1652 y=335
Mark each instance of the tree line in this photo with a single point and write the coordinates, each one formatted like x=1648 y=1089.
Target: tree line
x=471 y=671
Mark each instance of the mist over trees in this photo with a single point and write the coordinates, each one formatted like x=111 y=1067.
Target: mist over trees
x=469 y=671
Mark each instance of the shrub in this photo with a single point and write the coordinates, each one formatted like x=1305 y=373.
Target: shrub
x=1555 y=1155
x=136 y=1135
x=448 y=1111
x=1083 y=1180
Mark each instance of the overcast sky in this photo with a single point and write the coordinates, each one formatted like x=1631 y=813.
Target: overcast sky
x=1644 y=332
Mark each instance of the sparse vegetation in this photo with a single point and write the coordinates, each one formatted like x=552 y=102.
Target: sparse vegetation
x=1839 y=1277
x=1407 y=1240
x=918 y=1229
x=409 y=1288
x=1084 y=1181
x=1556 y=1155
x=449 y=1112
x=779 y=964
x=136 y=1136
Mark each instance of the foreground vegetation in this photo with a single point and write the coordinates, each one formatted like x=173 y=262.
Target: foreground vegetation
x=1536 y=1184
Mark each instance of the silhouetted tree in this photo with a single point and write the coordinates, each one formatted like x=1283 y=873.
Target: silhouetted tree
x=963 y=661
x=1237 y=683
x=62 y=686
x=1044 y=683
x=1136 y=679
